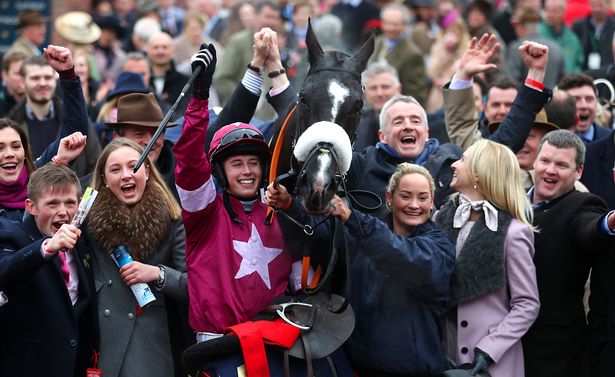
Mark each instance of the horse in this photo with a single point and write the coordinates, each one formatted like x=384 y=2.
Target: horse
x=312 y=143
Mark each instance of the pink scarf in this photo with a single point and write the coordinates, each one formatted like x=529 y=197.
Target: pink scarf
x=14 y=194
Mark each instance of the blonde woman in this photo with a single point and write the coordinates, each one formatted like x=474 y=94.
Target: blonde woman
x=138 y=211
x=494 y=296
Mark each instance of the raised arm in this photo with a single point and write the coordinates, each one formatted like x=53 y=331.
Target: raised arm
x=241 y=105
x=74 y=111
x=460 y=114
x=193 y=170
x=531 y=98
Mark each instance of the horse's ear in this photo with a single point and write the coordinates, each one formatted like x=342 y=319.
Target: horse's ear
x=314 y=50
x=359 y=60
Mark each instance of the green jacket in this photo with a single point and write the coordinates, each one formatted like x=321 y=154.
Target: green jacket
x=570 y=44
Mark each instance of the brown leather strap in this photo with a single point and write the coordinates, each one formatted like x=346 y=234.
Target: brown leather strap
x=332 y=366
x=286 y=364
x=308 y=355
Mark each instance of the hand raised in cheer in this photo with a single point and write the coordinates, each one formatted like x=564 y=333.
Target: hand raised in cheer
x=206 y=59
x=476 y=57
x=59 y=58
x=71 y=146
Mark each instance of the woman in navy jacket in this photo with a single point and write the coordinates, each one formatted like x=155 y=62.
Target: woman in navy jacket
x=401 y=270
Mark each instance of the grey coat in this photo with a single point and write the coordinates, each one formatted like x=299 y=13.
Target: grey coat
x=133 y=344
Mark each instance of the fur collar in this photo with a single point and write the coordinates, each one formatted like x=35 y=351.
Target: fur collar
x=480 y=267
x=140 y=228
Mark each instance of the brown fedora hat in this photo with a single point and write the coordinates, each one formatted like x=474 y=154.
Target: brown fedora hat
x=540 y=121
x=30 y=17
x=138 y=109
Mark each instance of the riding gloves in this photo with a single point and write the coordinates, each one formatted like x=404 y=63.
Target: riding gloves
x=205 y=58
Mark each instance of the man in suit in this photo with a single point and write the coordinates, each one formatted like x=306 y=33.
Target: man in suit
x=595 y=33
x=166 y=81
x=49 y=324
x=582 y=88
x=395 y=46
x=574 y=228
x=598 y=173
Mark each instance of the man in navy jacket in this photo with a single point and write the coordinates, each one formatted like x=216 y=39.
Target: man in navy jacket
x=48 y=326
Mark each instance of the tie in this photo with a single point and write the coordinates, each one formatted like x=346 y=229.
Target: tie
x=64 y=267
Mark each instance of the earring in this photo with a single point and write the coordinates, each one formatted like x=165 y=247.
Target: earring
x=389 y=204
x=475 y=186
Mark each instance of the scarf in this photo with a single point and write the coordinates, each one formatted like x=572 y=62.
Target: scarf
x=141 y=228
x=462 y=214
x=430 y=146
x=14 y=194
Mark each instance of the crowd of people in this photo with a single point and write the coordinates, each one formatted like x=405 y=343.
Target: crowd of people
x=482 y=134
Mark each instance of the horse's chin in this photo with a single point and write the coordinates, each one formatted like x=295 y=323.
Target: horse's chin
x=317 y=204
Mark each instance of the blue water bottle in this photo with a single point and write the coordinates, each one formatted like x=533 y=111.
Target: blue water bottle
x=143 y=293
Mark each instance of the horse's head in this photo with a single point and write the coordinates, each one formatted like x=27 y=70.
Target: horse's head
x=332 y=89
x=325 y=152
x=332 y=97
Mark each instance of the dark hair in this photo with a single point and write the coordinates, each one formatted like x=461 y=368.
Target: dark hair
x=503 y=83
x=576 y=80
x=563 y=139
x=482 y=6
x=11 y=58
x=562 y=110
x=52 y=177
x=28 y=162
x=262 y=4
x=33 y=60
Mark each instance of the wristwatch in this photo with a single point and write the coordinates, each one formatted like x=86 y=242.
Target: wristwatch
x=160 y=282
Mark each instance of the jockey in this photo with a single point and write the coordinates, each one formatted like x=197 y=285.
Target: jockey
x=237 y=264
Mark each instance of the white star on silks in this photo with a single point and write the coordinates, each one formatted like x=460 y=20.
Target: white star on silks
x=256 y=257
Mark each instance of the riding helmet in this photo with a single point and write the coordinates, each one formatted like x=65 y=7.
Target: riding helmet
x=237 y=139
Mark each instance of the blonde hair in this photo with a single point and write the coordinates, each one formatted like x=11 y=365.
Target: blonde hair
x=406 y=168
x=105 y=110
x=154 y=176
x=499 y=178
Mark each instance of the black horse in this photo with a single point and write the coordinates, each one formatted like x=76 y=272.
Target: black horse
x=313 y=140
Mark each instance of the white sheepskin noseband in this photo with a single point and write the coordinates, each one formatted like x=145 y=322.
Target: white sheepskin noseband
x=325 y=132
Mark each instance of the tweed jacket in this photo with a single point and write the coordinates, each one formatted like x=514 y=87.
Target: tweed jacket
x=408 y=61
